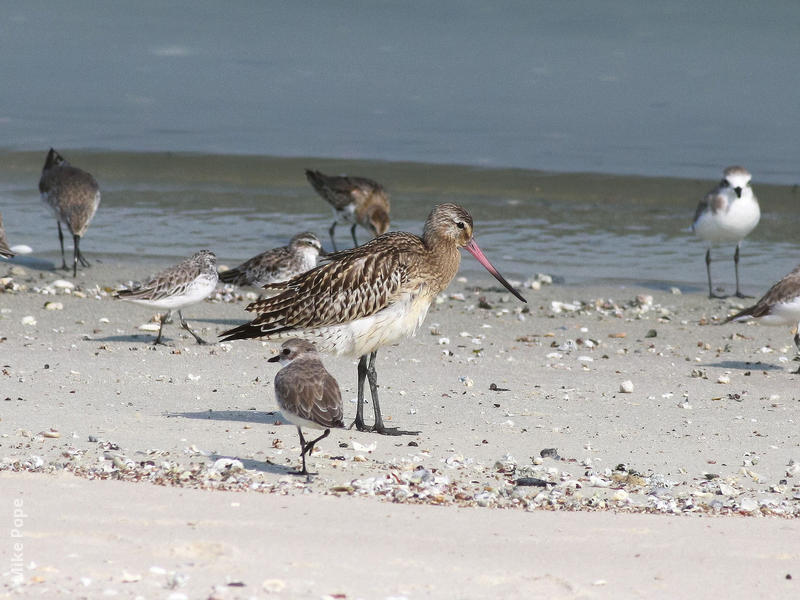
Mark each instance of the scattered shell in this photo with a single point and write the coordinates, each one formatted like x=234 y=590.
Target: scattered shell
x=723 y=379
x=626 y=387
x=149 y=327
x=53 y=306
x=63 y=284
x=50 y=433
x=28 y=320
x=359 y=447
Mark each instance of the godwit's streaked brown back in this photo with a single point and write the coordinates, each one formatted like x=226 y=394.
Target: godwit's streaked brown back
x=4 y=249
x=278 y=264
x=372 y=295
x=355 y=200
x=73 y=195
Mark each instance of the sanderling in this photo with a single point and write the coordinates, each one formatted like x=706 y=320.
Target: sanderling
x=278 y=264
x=188 y=282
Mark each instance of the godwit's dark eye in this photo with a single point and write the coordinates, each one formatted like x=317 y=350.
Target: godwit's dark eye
x=286 y=351
x=460 y=224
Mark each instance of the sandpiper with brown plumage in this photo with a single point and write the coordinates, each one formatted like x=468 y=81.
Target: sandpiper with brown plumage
x=306 y=393
x=277 y=264
x=73 y=195
x=190 y=281
x=370 y=296
x=779 y=306
x=355 y=201
x=5 y=251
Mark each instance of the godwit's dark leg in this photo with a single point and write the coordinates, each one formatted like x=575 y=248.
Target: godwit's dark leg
x=185 y=325
x=362 y=375
x=61 y=241
x=378 y=427
x=332 y=230
x=739 y=294
x=164 y=318
x=353 y=233
x=76 y=239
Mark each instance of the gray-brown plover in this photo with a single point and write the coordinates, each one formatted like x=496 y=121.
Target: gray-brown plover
x=278 y=264
x=779 y=306
x=355 y=200
x=74 y=196
x=369 y=296
x=726 y=215
x=307 y=394
x=186 y=283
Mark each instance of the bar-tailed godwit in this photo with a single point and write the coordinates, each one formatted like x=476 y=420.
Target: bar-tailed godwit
x=779 y=306
x=74 y=196
x=188 y=282
x=278 y=264
x=5 y=251
x=355 y=200
x=307 y=394
x=726 y=215
x=369 y=296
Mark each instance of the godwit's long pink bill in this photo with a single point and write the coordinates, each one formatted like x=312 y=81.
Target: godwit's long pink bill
x=472 y=248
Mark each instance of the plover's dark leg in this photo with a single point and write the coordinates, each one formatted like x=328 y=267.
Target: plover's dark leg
x=797 y=343
x=711 y=293
x=739 y=294
x=185 y=325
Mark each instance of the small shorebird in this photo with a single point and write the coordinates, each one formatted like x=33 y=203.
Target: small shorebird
x=5 y=251
x=727 y=214
x=74 y=196
x=307 y=394
x=188 y=282
x=369 y=296
x=278 y=264
x=355 y=200
x=779 y=306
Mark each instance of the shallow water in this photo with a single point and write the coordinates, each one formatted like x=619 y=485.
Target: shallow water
x=583 y=228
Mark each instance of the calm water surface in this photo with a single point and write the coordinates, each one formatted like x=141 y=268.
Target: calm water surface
x=584 y=228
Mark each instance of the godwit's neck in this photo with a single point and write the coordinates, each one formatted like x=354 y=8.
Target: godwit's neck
x=443 y=261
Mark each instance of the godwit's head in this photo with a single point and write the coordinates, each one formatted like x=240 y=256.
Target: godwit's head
x=292 y=349
x=451 y=224
x=306 y=242
x=737 y=178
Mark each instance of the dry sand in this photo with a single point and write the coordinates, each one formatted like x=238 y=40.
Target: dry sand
x=707 y=432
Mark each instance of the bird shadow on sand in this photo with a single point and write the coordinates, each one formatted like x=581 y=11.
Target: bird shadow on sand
x=242 y=416
x=132 y=338
x=250 y=464
x=744 y=365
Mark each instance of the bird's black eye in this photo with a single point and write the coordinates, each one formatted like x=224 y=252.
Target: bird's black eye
x=724 y=183
x=286 y=351
x=460 y=224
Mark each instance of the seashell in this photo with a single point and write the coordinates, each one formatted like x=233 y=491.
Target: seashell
x=149 y=327
x=28 y=320
x=53 y=306
x=63 y=284
x=626 y=387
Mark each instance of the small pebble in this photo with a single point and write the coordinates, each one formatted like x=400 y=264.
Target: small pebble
x=626 y=387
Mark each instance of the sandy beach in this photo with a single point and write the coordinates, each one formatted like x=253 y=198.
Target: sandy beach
x=596 y=442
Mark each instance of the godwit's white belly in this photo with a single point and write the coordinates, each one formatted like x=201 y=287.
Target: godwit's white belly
x=729 y=226
x=394 y=323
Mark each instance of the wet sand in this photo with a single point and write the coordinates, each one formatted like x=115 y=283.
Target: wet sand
x=523 y=423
